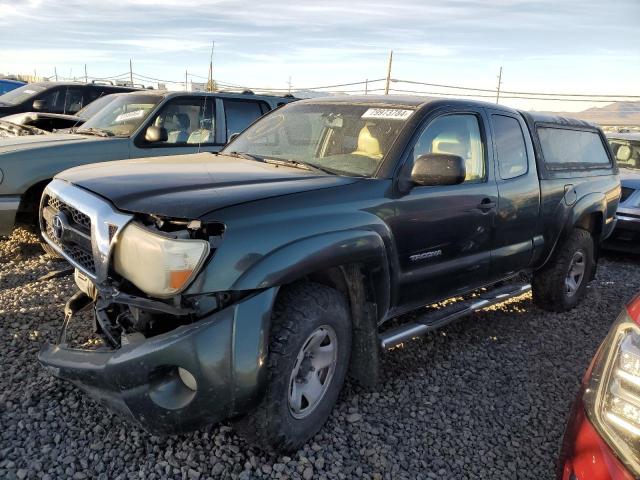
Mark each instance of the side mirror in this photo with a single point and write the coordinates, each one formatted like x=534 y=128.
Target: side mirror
x=438 y=169
x=39 y=105
x=155 y=134
x=232 y=137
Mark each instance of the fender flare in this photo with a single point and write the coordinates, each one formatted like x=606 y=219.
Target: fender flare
x=569 y=217
x=312 y=254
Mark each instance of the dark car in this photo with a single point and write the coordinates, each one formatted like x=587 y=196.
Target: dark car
x=246 y=284
x=55 y=97
x=7 y=85
x=41 y=123
x=602 y=438
x=626 y=236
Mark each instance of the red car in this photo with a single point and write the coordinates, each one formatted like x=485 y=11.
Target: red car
x=602 y=439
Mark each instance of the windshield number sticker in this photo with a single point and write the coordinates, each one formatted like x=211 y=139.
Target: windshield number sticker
x=123 y=117
x=388 y=113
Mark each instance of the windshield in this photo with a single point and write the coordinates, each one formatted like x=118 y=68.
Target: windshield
x=19 y=95
x=349 y=139
x=627 y=152
x=123 y=115
x=94 y=107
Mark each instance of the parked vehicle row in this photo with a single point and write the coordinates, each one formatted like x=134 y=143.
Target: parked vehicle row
x=42 y=123
x=247 y=284
x=55 y=97
x=138 y=124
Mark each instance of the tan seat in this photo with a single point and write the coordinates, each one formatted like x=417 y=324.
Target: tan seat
x=368 y=145
x=200 y=136
x=452 y=148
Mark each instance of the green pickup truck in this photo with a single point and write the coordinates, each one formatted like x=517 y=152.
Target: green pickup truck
x=138 y=124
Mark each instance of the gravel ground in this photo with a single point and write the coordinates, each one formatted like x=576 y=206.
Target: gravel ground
x=484 y=398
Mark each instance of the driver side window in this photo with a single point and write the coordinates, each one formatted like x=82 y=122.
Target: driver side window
x=188 y=121
x=457 y=134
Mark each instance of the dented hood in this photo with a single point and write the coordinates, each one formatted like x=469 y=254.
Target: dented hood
x=189 y=186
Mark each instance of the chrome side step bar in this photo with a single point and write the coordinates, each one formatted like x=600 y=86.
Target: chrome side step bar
x=438 y=318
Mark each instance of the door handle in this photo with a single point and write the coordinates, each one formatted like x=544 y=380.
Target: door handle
x=486 y=205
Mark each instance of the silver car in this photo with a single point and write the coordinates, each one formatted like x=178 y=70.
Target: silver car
x=134 y=125
x=626 y=148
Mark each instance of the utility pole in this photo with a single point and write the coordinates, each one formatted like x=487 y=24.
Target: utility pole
x=186 y=81
x=86 y=77
x=366 y=86
x=210 y=81
x=499 y=85
x=131 y=72
x=386 y=85
x=55 y=72
x=289 y=84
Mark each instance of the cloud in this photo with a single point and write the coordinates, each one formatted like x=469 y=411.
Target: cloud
x=329 y=41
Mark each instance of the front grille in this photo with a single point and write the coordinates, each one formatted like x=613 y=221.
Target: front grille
x=80 y=219
x=76 y=246
x=626 y=193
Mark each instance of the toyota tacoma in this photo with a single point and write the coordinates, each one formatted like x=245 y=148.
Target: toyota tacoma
x=247 y=284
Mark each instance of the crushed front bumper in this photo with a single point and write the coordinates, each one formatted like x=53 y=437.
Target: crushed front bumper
x=225 y=352
x=8 y=208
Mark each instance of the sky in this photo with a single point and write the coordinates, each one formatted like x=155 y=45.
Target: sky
x=567 y=46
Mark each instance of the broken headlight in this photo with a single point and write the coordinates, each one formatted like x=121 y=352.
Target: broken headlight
x=158 y=264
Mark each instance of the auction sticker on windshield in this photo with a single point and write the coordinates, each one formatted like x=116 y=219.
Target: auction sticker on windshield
x=123 y=117
x=388 y=113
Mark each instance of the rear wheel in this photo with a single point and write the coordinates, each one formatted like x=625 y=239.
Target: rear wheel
x=308 y=360
x=561 y=284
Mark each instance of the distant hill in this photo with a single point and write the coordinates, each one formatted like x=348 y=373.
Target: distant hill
x=616 y=113
x=310 y=94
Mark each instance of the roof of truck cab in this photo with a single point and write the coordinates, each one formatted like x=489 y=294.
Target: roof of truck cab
x=411 y=101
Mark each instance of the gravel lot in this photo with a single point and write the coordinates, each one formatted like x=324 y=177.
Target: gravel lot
x=484 y=398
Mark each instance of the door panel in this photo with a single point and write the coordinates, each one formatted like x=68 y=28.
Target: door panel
x=444 y=234
x=519 y=192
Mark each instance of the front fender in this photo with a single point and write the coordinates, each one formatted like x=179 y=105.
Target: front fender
x=295 y=260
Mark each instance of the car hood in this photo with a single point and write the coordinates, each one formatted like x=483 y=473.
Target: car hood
x=30 y=142
x=190 y=186
x=630 y=178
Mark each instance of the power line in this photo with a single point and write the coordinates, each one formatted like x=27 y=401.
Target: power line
x=458 y=87
x=501 y=96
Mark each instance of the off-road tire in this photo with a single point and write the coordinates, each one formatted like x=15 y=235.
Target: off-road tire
x=299 y=310
x=548 y=285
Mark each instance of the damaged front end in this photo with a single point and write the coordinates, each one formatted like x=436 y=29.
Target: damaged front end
x=168 y=360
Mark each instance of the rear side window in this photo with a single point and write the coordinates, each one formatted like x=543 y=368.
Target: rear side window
x=240 y=114
x=510 y=147
x=566 y=149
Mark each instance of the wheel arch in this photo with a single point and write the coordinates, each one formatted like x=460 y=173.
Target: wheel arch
x=30 y=202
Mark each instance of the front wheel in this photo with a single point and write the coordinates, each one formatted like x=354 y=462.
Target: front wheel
x=560 y=285
x=308 y=360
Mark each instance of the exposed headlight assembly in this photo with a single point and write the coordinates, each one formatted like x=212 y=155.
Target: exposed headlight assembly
x=612 y=397
x=158 y=265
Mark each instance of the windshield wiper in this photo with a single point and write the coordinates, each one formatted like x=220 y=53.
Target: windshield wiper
x=283 y=161
x=298 y=164
x=94 y=131
x=246 y=156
